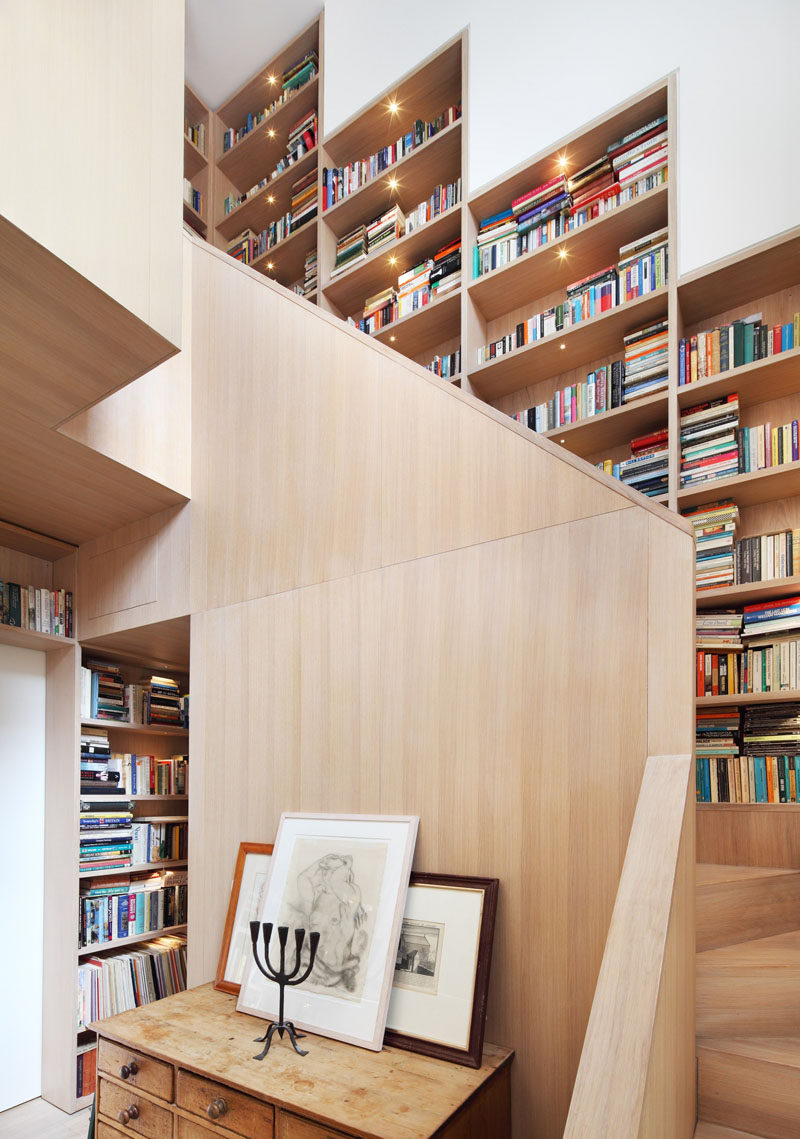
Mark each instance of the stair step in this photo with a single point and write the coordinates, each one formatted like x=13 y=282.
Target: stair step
x=742 y=903
x=751 y=988
x=717 y=1131
x=750 y=1083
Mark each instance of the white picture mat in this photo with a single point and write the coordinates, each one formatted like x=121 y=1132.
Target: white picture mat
x=252 y=890
x=444 y=1017
x=358 y=1022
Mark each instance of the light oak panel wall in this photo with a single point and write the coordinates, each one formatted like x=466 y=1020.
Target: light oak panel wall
x=78 y=72
x=746 y=836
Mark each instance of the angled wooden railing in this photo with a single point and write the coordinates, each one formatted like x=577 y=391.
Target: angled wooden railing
x=636 y=1078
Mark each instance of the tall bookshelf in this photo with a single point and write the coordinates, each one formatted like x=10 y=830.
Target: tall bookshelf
x=239 y=169
x=197 y=143
x=437 y=83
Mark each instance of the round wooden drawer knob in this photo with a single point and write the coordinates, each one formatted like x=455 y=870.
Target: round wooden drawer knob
x=216 y=1108
x=126 y=1116
x=128 y=1070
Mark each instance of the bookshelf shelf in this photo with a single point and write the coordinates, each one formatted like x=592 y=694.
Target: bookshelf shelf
x=612 y=428
x=435 y=161
x=288 y=256
x=133 y=939
x=28 y=639
x=348 y=290
x=136 y=798
x=247 y=160
x=543 y=270
x=160 y=818
x=748 y=490
x=590 y=340
x=763 y=380
x=748 y=593
x=748 y=698
x=193 y=218
x=257 y=211
x=193 y=159
x=743 y=807
x=139 y=729
x=136 y=868
x=424 y=329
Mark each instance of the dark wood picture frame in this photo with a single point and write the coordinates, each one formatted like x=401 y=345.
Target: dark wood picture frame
x=472 y=1056
x=245 y=848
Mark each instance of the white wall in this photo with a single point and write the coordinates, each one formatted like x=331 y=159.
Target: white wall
x=540 y=70
x=22 y=740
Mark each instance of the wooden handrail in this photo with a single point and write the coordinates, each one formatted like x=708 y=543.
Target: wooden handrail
x=636 y=1076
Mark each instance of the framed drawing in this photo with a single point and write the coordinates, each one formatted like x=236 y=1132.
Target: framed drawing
x=441 y=975
x=345 y=877
x=247 y=896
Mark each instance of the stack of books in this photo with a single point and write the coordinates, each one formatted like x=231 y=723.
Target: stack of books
x=642 y=266
x=710 y=352
x=163 y=702
x=41 y=610
x=716 y=747
x=339 y=182
x=304 y=201
x=350 y=250
x=642 y=152
x=593 y=295
x=108 y=985
x=709 y=446
x=446 y=269
x=310 y=272
x=103 y=692
x=192 y=197
x=646 y=364
x=771 y=739
x=385 y=229
x=535 y=207
x=496 y=244
x=196 y=135
x=302 y=138
x=105 y=837
x=159 y=842
x=714 y=528
x=765 y=557
x=245 y=247
x=300 y=73
x=379 y=311
x=764 y=446
x=99 y=771
x=125 y=907
x=718 y=643
x=413 y=289
x=647 y=470
x=444 y=196
x=446 y=366
x=767 y=617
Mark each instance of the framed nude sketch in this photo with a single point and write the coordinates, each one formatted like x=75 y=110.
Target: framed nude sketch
x=250 y=879
x=345 y=877
x=441 y=975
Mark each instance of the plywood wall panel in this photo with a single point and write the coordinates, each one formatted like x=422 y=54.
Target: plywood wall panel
x=670 y=692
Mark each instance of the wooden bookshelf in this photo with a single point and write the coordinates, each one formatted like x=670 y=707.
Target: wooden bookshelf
x=132 y=939
x=135 y=868
x=419 y=332
x=194 y=219
x=137 y=798
x=756 y=383
x=749 y=593
x=748 y=490
x=138 y=729
x=737 y=700
x=196 y=167
x=612 y=428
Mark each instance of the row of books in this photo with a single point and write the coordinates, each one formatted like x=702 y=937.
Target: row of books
x=416 y=288
x=709 y=353
x=748 y=778
x=193 y=197
x=86 y=1080
x=136 y=907
x=196 y=134
x=767 y=557
x=631 y=165
x=340 y=182
x=641 y=270
x=310 y=272
x=446 y=366
x=40 y=610
x=106 y=696
x=105 y=840
x=767 y=667
x=292 y=80
x=754 y=757
x=124 y=773
x=159 y=842
x=763 y=446
x=122 y=981
x=714 y=526
x=248 y=245
x=709 y=446
x=302 y=140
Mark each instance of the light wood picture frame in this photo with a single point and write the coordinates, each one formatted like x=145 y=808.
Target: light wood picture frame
x=252 y=869
x=441 y=980
x=345 y=877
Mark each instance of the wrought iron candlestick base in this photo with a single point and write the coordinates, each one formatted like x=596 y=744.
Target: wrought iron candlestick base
x=282 y=978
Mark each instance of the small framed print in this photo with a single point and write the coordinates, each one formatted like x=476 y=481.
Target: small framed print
x=247 y=897
x=441 y=975
x=346 y=878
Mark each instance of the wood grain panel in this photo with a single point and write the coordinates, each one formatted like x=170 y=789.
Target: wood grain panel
x=746 y=835
x=751 y=988
x=122 y=578
x=152 y=1076
x=671 y=642
x=750 y=1088
x=243 y=1114
x=744 y=903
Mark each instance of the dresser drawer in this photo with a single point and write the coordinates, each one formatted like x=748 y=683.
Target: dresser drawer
x=293 y=1127
x=153 y=1076
x=239 y=1113
x=150 y=1119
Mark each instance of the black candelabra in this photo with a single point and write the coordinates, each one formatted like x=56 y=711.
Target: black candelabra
x=282 y=978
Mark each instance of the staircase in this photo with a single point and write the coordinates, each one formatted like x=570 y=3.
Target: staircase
x=748 y=1003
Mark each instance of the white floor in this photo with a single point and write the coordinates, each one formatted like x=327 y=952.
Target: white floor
x=39 y=1120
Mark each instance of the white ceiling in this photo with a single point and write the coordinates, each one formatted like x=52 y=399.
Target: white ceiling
x=228 y=40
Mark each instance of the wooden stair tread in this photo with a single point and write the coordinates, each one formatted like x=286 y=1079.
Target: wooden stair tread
x=717 y=1131
x=710 y=873
x=780 y=950
x=783 y=1050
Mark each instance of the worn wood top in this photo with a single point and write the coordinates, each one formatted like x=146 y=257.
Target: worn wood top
x=372 y=1094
